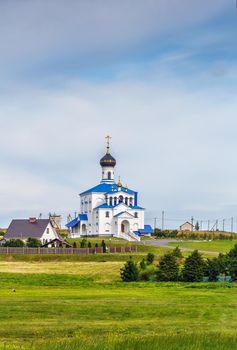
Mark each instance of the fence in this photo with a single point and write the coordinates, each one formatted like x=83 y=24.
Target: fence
x=85 y=251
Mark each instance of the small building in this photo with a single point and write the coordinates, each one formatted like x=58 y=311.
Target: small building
x=42 y=229
x=187 y=226
x=146 y=231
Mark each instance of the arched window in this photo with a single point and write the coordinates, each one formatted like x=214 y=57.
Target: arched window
x=111 y=201
x=120 y=199
x=115 y=200
x=126 y=200
x=130 y=201
x=109 y=175
x=136 y=215
x=107 y=214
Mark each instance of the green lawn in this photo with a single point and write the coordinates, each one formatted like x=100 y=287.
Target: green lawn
x=221 y=246
x=76 y=307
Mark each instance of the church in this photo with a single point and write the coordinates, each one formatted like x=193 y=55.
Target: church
x=109 y=208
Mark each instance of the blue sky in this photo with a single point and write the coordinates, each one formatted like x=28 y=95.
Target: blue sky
x=160 y=77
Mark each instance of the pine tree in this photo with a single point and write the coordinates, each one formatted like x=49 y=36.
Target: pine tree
x=197 y=227
x=168 y=268
x=194 y=268
x=213 y=269
x=177 y=253
x=129 y=273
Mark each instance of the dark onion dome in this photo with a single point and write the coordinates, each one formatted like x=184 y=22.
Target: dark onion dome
x=108 y=160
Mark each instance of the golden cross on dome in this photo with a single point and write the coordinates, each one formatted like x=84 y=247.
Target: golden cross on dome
x=108 y=138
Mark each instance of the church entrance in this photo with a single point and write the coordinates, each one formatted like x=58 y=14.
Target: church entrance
x=83 y=229
x=125 y=227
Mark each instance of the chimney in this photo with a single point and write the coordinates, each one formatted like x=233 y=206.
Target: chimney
x=32 y=220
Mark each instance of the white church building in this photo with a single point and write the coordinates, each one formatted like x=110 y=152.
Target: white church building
x=109 y=208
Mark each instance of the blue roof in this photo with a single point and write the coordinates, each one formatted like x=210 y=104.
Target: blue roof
x=147 y=229
x=105 y=206
x=83 y=217
x=107 y=188
x=74 y=222
x=136 y=207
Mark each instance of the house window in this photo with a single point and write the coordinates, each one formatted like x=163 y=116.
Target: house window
x=107 y=214
x=136 y=215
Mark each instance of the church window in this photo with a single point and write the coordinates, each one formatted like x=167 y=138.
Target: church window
x=107 y=214
x=130 y=200
x=111 y=201
x=136 y=215
x=126 y=200
x=47 y=230
x=109 y=175
x=120 y=199
x=115 y=201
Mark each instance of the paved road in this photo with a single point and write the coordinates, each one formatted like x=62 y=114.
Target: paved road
x=165 y=244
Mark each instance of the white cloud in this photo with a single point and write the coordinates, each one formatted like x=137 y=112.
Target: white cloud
x=175 y=145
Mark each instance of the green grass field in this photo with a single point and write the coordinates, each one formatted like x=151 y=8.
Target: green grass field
x=70 y=305
x=221 y=246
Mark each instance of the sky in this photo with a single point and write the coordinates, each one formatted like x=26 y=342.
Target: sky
x=159 y=76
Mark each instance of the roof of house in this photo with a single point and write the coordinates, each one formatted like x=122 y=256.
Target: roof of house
x=187 y=222
x=108 y=189
x=74 y=222
x=147 y=229
x=24 y=229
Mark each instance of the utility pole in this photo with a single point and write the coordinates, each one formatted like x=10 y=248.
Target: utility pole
x=232 y=224
x=208 y=225
x=201 y=225
x=163 y=219
x=217 y=225
x=155 y=223
x=192 y=222
x=223 y=225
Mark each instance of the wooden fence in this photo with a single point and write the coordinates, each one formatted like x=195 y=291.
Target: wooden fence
x=85 y=251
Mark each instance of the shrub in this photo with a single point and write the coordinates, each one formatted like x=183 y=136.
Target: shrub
x=33 y=242
x=89 y=244
x=194 y=268
x=168 y=268
x=14 y=243
x=103 y=245
x=129 y=273
x=147 y=274
x=143 y=264
x=150 y=258
x=74 y=244
x=83 y=243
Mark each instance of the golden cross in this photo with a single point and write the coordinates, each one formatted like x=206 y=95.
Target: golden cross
x=108 y=138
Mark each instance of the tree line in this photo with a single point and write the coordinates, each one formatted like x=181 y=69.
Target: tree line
x=172 y=267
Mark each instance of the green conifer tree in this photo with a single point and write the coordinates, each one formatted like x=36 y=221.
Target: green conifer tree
x=194 y=268
x=168 y=268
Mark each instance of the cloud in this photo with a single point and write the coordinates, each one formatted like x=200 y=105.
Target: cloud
x=173 y=143
x=36 y=30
